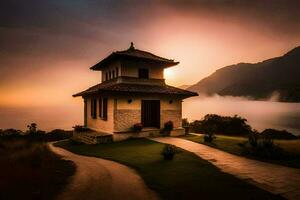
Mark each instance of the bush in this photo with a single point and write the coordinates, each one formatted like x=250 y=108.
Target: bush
x=277 y=134
x=11 y=133
x=186 y=125
x=137 y=127
x=79 y=128
x=223 y=124
x=253 y=139
x=262 y=147
x=209 y=137
x=169 y=151
x=168 y=126
x=58 y=134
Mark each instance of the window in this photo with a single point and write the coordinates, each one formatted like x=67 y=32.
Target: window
x=103 y=108
x=106 y=76
x=117 y=72
x=113 y=73
x=94 y=108
x=100 y=107
x=109 y=74
x=144 y=73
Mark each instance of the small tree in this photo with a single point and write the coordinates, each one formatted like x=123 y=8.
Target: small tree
x=209 y=131
x=32 y=128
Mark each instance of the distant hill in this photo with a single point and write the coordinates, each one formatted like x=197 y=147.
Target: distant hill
x=184 y=86
x=279 y=75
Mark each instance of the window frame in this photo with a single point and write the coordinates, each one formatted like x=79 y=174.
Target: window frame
x=103 y=107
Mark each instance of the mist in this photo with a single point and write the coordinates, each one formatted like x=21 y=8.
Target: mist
x=260 y=114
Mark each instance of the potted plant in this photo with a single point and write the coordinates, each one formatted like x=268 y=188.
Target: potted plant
x=137 y=127
x=168 y=127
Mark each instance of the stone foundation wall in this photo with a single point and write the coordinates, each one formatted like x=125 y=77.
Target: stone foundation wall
x=170 y=115
x=125 y=118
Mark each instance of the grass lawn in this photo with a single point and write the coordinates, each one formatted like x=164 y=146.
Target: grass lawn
x=230 y=144
x=29 y=170
x=185 y=177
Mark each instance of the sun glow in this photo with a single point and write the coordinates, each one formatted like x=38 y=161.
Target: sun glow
x=169 y=73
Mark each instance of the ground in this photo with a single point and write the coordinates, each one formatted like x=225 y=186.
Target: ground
x=280 y=180
x=230 y=144
x=100 y=179
x=185 y=177
x=29 y=170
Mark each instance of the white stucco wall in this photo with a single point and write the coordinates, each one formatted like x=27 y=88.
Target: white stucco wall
x=121 y=115
x=99 y=124
x=113 y=66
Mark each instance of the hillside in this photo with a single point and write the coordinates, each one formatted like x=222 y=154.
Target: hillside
x=259 y=80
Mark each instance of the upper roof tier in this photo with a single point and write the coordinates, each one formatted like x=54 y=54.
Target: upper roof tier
x=133 y=53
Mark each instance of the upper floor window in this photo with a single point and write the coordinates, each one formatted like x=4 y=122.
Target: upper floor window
x=143 y=73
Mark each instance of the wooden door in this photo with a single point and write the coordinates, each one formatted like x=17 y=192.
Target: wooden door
x=151 y=113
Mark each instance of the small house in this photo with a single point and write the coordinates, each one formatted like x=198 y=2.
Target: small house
x=132 y=92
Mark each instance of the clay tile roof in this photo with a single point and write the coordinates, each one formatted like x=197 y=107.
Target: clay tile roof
x=131 y=52
x=136 y=88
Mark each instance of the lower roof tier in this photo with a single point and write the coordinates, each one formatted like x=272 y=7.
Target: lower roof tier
x=125 y=88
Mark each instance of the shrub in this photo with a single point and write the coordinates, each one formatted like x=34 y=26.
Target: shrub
x=209 y=131
x=186 y=125
x=168 y=126
x=209 y=137
x=223 y=124
x=262 y=147
x=79 y=128
x=11 y=133
x=137 y=127
x=253 y=139
x=277 y=134
x=58 y=134
x=169 y=151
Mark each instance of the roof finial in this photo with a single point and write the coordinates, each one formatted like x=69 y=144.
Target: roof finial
x=131 y=46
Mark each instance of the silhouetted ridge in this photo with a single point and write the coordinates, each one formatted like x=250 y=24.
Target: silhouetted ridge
x=257 y=80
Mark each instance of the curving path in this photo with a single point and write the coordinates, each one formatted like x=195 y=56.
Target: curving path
x=271 y=177
x=97 y=178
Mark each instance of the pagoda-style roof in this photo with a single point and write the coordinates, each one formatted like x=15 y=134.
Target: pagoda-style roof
x=133 y=53
x=124 y=88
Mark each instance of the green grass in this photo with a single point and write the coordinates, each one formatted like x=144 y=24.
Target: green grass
x=185 y=177
x=29 y=170
x=231 y=145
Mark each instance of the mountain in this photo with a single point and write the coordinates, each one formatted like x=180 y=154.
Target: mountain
x=184 y=86
x=280 y=75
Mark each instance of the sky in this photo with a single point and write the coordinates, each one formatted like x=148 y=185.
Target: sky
x=47 y=47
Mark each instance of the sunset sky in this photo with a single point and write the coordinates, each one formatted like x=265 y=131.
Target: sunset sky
x=48 y=47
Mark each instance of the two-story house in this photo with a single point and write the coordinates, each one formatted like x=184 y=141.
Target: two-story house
x=133 y=90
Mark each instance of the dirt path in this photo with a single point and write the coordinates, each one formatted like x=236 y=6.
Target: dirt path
x=97 y=178
x=271 y=177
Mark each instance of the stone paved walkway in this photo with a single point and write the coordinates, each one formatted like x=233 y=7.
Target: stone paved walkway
x=271 y=177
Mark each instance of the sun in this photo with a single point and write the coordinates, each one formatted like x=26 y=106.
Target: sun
x=169 y=73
